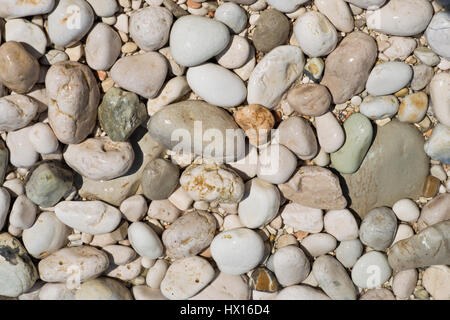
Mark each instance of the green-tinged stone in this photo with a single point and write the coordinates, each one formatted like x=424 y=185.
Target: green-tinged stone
x=47 y=182
x=120 y=113
x=4 y=156
x=359 y=133
x=17 y=272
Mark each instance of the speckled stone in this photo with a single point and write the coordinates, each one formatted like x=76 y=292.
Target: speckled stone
x=120 y=113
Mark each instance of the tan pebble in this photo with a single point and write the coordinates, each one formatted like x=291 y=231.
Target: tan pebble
x=129 y=47
x=75 y=53
x=431 y=187
x=107 y=84
x=256 y=121
x=402 y=93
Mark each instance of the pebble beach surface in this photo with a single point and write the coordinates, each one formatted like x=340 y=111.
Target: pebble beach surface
x=225 y=150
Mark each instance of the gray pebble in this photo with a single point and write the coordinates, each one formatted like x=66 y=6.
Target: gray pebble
x=378 y=228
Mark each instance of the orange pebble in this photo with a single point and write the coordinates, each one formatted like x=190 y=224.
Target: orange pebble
x=211 y=14
x=101 y=75
x=193 y=4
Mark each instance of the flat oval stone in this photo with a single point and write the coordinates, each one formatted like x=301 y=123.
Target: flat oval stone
x=260 y=203
x=143 y=74
x=404 y=283
x=276 y=164
x=84 y=262
x=274 y=74
x=10 y=8
x=216 y=85
x=103 y=289
x=232 y=15
x=236 y=54
x=371 y=270
x=291 y=265
x=348 y=252
x=159 y=179
x=271 y=30
x=333 y=279
x=330 y=134
x=413 y=107
x=17 y=272
x=302 y=218
x=440 y=97
x=378 y=228
x=437 y=146
x=21 y=152
x=144 y=240
x=394 y=168
x=318 y=244
x=388 y=77
x=186 y=277
x=237 y=251
x=195 y=39
x=301 y=292
x=43 y=139
x=150 y=27
x=47 y=235
x=422 y=76
x=438 y=34
x=377 y=108
x=347 y=67
x=102 y=47
x=28 y=34
x=358 y=133
x=92 y=217
x=406 y=210
x=309 y=99
x=69 y=22
x=19 y=70
x=120 y=255
x=178 y=119
x=315 y=34
x=189 y=235
x=74 y=96
x=297 y=135
x=401 y=17
x=18 y=111
x=436 y=280
x=428 y=247
x=100 y=158
x=341 y=224
x=338 y=12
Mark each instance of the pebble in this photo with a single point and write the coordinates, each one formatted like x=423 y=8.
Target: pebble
x=225 y=287
x=186 y=277
x=309 y=99
x=256 y=121
x=55 y=291
x=17 y=272
x=315 y=34
x=23 y=213
x=232 y=15
x=314 y=187
x=205 y=37
x=102 y=47
x=371 y=270
x=72 y=118
x=431 y=187
x=438 y=35
x=18 y=111
x=422 y=76
x=150 y=27
x=413 y=108
x=338 y=12
x=379 y=107
x=438 y=172
x=47 y=235
x=264 y=280
x=5 y=200
x=319 y=244
x=15 y=187
x=406 y=210
x=276 y=164
x=341 y=224
x=333 y=279
x=377 y=294
x=237 y=251
x=330 y=134
x=236 y=54
x=437 y=146
x=427 y=56
x=100 y=158
x=134 y=208
x=436 y=280
x=144 y=240
x=359 y=133
x=301 y=292
x=173 y=90
x=102 y=289
x=286 y=6
x=347 y=67
x=291 y=265
x=302 y=218
x=395 y=166
x=104 y=8
x=19 y=70
x=43 y=139
x=367 y=4
x=156 y=274
x=414 y=252
x=65 y=27
x=378 y=228
x=159 y=179
x=120 y=255
x=189 y=235
x=71 y=264
x=10 y=9
x=435 y=211
x=260 y=203
x=216 y=85
x=401 y=18
x=297 y=135
x=404 y=283
x=163 y=210
x=92 y=217
x=404 y=231
x=440 y=97
x=183 y=115
x=271 y=30
x=28 y=34
x=400 y=48
x=348 y=252
x=129 y=73
x=275 y=73
x=181 y=199
x=389 y=77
